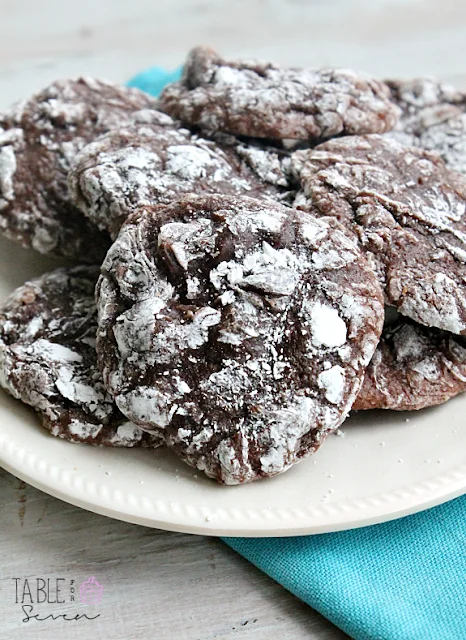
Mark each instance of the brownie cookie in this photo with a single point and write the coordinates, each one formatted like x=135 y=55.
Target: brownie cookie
x=413 y=367
x=407 y=211
x=272 y=165
x=239 y=329
x=38 y=141
x=412 y=96
x=264 y=100
x=440 y=129
x=48 y=360
x=155 y=164
x=432 y=117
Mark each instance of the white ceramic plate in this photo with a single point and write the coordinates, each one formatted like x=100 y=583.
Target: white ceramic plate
x=385 y=466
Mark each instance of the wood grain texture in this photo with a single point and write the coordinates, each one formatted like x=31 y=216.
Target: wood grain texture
x=157 y=585
x=160 y=585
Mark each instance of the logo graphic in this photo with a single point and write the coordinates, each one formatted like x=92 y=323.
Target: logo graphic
x=90 y=592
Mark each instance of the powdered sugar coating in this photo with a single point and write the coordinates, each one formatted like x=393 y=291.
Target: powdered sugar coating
x=263 y=100
x=439 y=129
x=155 y=164
x=433 y=118
x=407 y=211
x=413 y=367
x=412 y=96
x=48 y=360
x=38 y=142
x=270 y=164
x=269 y=159
x=211 y=330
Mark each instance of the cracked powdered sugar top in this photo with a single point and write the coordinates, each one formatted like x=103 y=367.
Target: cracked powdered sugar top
x=407 y=211
x=413 y=367
x=432 y=117
x=48 y=360
x=39 y=139
x=266 y=101
x=237 y=328
x=155 y=164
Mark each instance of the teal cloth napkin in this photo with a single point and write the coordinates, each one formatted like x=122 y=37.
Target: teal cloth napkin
x=403 y=580
x=154 y=79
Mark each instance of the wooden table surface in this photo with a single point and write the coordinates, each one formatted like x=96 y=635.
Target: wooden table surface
x=161 y=585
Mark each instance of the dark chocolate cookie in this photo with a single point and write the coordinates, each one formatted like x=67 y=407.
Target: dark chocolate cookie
x=48 y=360
x=413 y=367
x=270 y=164
x=156 y=164
x=432 y=117
x=239 y=329
x=264 y=100
x=38 y=141
x=407 y=211
x=413 y=96
x=269 y=159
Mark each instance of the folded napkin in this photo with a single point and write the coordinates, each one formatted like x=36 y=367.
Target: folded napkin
x=403 y=580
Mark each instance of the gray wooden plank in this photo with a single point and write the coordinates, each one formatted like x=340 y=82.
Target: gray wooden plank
x=159 y=585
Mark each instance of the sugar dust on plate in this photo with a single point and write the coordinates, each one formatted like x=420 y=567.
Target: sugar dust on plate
x=210 y=517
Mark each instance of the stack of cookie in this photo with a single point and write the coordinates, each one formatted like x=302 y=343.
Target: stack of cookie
x=268 y=248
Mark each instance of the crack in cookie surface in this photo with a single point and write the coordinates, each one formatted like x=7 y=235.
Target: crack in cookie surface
x=413 y=367
x=432 y=117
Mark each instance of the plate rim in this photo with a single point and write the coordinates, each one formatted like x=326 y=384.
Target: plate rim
x=77 y=489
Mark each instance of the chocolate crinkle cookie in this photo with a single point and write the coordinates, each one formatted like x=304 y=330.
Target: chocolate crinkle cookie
x=272 y=166
x=38 y=142
x=155 y=164
x=269 y=159
x=264 y=100
x=406 y=209
x=413 y=96
x=238 y=329
x=48 y=360
x=432 y=117
x=413 y=367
